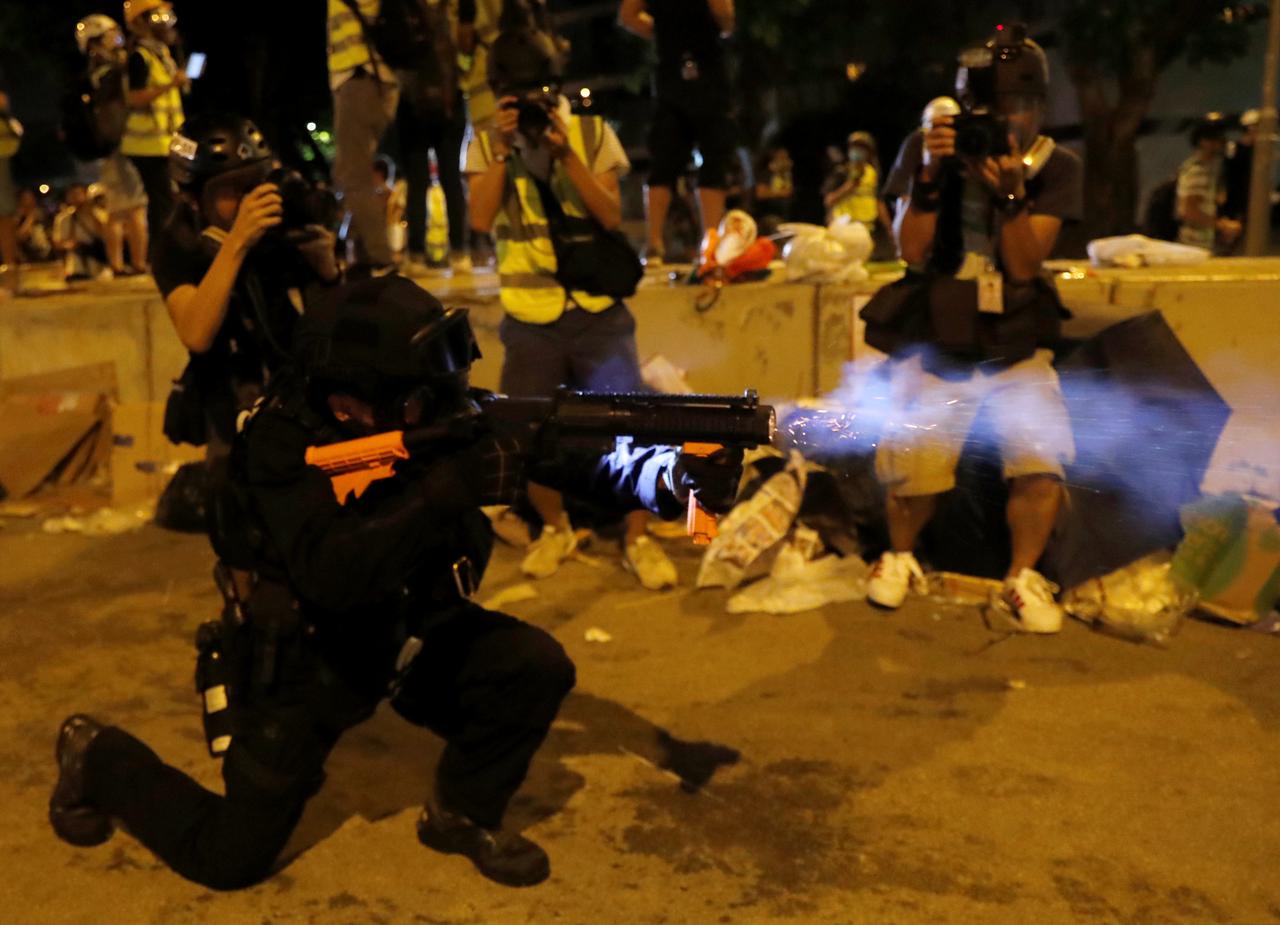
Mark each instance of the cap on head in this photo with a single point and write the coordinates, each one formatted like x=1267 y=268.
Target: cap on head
x=135 y=8
x=1211 y=127
x=863 y=140
x=1007 y=64
x=523 y=59
x=372 y=337
x=93 y=26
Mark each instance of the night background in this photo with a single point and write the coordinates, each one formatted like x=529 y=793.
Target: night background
x=807 y=73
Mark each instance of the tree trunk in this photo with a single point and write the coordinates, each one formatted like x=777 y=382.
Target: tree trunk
x=1110 y=146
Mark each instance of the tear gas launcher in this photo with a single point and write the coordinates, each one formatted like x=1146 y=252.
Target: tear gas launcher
x=570 y=420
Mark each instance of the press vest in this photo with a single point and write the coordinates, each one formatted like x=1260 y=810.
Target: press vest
x=860 y=205
x=526 y=256
x=147 y=131
x=347 y=46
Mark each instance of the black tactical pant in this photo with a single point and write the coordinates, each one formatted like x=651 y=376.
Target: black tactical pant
x=485 y=682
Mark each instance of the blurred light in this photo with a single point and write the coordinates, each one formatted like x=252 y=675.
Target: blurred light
x=44 y=189
x=586 y=104
x=585 y=93
x=323 y=136
x=999 y=27
x=311 y=126
x=855 y=69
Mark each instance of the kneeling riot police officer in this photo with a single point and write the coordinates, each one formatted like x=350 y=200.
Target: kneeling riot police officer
x=347 y=604
x=244 y=241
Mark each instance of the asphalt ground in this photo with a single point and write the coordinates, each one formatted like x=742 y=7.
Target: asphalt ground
x=904 y=768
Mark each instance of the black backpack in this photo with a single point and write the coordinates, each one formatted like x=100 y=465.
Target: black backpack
x=416 y=37
x=1160 y=220
x=93 y=115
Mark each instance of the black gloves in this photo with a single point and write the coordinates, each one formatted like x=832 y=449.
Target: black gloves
x=489 y=471
x=712 y=479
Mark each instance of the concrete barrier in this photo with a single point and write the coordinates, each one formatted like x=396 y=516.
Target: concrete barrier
x=785 y=340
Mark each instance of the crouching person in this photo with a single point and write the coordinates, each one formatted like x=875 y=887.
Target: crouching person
x=335 y=607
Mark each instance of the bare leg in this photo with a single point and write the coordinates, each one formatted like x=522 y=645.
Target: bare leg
x=711 y=205
x=907 y=517
x=113 y=235
x=1033 y=509
x=636 y=523
x=549 y=504
x=659 y=205
x=135 y=231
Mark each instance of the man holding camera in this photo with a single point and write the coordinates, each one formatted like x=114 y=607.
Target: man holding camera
x=968 y=329
x=231 y=265
x=554 y=337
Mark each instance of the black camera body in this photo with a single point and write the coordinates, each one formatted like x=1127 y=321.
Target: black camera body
x=302 y=205
x=981 y=134
x=534 y=109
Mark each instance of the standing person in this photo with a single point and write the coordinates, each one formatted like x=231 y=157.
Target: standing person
x=1201 y=192
x=431 y=118
x=344 y=606
x=1238 y=167
x=155 y=102
x=230 y=275
x=973 y=323
x=552 y=338
x=365 y=95
x=102 y=43
x=854 y=190
x=774 y=190
x=10 y=253
x=693 y=101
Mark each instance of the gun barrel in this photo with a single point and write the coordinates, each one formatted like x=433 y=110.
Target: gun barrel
x=671 y=419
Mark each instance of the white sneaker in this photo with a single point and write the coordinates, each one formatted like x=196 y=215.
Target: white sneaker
x=648 y=562
x=550 y=549
x=1030 y=598
x=892 y=577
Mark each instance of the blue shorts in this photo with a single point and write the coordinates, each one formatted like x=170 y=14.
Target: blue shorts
x=595 y=352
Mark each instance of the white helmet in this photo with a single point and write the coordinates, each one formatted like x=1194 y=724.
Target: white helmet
x=95 y=26
x=938 y=107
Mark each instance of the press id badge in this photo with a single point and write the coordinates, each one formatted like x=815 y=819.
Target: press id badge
x=991 y=292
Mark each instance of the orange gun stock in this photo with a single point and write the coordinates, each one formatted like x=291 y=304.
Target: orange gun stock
x=354 y=465
x=700 y=523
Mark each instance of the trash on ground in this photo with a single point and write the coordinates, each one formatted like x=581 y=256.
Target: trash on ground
x=596 y=634
x=754 y=527
x=1135 y=250
x=105 y=522
x=796 y=585
x=508 y=526
x=661 y=375
x=1017 y=684
x=1142 y=602
x=963 y=589
x=511 y=595
x=1230 y=555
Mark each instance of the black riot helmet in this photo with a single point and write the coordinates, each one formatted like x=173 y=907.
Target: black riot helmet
x=1007 y=64
x=390 y=343
x=217 y=150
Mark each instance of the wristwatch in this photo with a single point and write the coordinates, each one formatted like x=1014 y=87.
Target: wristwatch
x=1011 y=204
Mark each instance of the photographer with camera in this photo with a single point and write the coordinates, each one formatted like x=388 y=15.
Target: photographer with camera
x=968 y=329
x=246 y=238
x=539 y=168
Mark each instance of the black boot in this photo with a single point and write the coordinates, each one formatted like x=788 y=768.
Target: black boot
x=74 y=820
x=504 y=857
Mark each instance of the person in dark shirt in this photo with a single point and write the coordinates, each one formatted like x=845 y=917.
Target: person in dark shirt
x=230 y=276
x=346 y=604
x=975 y=233
x=691 y=87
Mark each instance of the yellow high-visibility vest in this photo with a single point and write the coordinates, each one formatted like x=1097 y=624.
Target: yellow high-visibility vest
x=148 y=130
x=526 y=257
x=347 y=46
x=861 y=205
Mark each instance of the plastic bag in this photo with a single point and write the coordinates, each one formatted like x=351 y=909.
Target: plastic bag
x=799 y=581
x=835 y=254
x=1135 y=250
x=1142 y=602
x=754 y=527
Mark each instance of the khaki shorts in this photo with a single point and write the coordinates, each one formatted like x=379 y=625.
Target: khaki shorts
x=932 y=418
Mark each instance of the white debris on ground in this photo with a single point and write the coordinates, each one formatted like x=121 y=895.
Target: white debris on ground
x=1141 y=602
x=596 y=634
x=797 y=584
x=513 y=594
x=104 y=522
